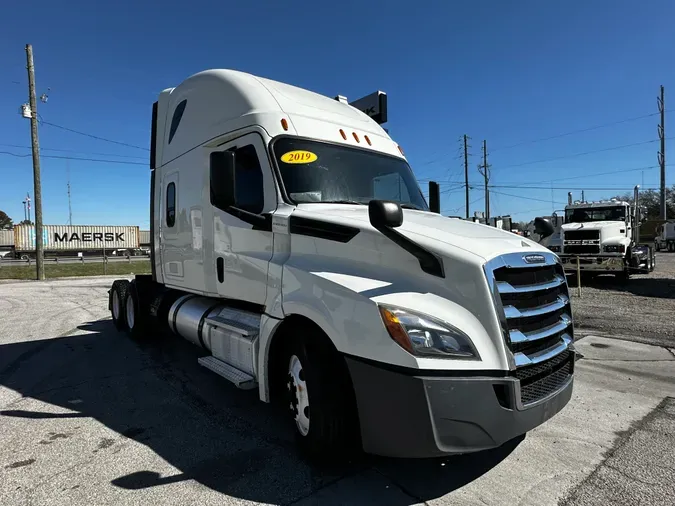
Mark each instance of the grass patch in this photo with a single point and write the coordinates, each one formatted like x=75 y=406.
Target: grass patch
x=53 y=270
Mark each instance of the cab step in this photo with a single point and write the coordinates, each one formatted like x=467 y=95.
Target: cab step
x=241 y=379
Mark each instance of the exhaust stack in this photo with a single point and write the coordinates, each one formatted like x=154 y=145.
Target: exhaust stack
x=569 y=198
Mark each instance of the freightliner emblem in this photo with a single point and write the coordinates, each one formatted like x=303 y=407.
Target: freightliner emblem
x=534 y=259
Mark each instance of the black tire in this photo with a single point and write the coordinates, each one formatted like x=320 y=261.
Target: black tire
x=333 y=428
x=134 y=315
x=117 y=311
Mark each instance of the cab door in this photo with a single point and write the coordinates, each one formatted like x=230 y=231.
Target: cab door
x=242 y=250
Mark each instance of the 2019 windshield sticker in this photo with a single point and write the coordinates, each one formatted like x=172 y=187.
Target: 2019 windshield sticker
x=299 y=156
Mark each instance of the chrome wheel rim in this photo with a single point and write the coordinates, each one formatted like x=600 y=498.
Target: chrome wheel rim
x=130 y=312
x=116 y=305
x=299 y=398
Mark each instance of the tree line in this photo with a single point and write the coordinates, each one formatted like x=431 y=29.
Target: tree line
x=6 y=223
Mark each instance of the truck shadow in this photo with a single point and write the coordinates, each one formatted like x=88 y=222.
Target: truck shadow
x=222 y=438
x=642 y=285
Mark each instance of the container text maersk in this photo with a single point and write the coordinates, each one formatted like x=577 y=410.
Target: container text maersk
x=89 y=237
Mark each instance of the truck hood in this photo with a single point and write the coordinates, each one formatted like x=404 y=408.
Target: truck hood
x=433 y=230
x=594 y=225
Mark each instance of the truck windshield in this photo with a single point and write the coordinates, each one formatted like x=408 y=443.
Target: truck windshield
x=617 y=213
x=321 y=172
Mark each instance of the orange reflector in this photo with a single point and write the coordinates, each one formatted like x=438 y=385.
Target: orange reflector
x=401 y=150
x=284 y=124
x=343 y=134
x=367 y=140
x=356 y=137
x=393 y=326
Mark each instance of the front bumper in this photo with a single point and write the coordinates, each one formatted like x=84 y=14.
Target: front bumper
x=417 y=416
x=595 y=263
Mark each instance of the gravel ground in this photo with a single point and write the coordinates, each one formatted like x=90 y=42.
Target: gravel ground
x=641 y=310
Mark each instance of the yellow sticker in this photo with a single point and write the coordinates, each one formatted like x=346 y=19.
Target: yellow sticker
x=299 y=156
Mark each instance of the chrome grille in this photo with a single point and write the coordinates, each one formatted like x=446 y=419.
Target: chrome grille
x=582 y=242
x=533 y=305
x=582 y=235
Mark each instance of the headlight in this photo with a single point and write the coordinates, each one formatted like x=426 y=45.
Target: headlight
x=424 y=336
x=555 y=249
x=614 y=248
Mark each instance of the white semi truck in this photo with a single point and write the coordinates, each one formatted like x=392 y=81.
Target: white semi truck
x=292 y=243
x=604 y=238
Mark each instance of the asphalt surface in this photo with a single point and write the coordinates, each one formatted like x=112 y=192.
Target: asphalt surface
x=89 y=417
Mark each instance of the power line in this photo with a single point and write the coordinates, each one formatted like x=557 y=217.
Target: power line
x=71 y=151
x=94 y=136
x=579 y=154
x=587 y=188
x=123 y=162
x=572 y=132
x=527 y=198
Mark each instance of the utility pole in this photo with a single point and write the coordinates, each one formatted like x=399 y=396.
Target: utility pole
x=25 y=215
x=37 y=191
x=662 y=155
x=70 y=209
x=466 y=173
x=484 y=170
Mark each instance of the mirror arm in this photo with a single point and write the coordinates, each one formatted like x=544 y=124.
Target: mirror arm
x=257 y=220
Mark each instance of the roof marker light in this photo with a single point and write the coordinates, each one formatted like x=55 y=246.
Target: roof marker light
x=356 y=137
x=400 y=149
x=284 y=124
x=343 y=134
x=367 y=140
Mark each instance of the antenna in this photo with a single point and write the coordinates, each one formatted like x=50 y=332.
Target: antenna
x=70 y=209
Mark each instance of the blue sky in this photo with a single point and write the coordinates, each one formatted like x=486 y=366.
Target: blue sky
x=507 y=72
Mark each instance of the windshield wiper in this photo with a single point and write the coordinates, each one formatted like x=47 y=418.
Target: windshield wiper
x=343 y=201
x=410 y=206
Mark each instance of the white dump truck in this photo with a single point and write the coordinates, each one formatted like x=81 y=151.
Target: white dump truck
x=665 y=237
x=292 y=243
x=604 y=238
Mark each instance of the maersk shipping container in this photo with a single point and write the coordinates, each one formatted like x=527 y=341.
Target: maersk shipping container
x=145 y=237
x=74 y=238
x=6 y=238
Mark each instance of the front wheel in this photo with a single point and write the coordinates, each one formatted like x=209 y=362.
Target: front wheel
x=319 y=399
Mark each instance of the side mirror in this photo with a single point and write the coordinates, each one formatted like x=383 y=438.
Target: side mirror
x=222 y=176
x=543 y=228
x=384 y=214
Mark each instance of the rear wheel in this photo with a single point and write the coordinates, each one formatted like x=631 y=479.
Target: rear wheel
x=318 y=398
x=118 y=296
x=133 y=314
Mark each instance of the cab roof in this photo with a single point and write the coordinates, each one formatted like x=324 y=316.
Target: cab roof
x=221 y=100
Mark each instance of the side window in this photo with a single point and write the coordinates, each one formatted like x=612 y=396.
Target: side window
x=177 y=116
x=171 y=204
x=249 y=177
x=390 y=187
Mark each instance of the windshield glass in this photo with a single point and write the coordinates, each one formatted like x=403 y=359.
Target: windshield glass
x=617 y=213
x=320 y=172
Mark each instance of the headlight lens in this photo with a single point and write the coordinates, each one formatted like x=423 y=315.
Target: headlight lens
x=614 y=248
x=424 y=336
